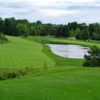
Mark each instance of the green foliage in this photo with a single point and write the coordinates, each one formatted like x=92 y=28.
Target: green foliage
x=33 y=30
x=73 y=26
x=22 y=29
x=83 y=35
x=93 y=59
x=74 y=33
x=62 y=31
x=4 y=75
x=2 y=37
x=9 y=26
x=94 y=30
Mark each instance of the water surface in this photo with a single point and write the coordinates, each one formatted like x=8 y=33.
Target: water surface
x=69 y=51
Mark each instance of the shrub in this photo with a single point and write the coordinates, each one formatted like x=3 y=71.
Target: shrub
x=93 y=58
x=2 y=37
x=14 y=74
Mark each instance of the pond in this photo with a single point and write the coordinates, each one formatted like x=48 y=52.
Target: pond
x=69 y=51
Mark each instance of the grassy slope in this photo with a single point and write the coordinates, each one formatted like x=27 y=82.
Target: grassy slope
x=60 y=61
x=22 y=53
x=67 y=81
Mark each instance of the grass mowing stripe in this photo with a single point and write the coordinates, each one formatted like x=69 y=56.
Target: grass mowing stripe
x=20 y=53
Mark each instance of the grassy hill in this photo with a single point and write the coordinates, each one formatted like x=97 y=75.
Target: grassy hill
x=19 y=53
x=65 y=78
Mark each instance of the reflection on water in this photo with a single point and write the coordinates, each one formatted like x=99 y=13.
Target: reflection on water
x=69 y=51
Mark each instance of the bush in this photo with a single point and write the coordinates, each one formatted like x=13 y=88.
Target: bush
x=14 y=74
x=93 y=58
x=2 y=37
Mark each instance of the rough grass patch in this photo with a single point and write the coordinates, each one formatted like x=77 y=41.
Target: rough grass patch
x=4 y=75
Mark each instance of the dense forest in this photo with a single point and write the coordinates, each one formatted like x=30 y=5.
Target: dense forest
x=19 y=27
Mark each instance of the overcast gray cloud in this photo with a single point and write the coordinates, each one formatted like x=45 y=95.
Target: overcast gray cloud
x=54 y=11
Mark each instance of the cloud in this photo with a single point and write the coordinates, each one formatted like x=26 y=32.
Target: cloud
x=54 y=11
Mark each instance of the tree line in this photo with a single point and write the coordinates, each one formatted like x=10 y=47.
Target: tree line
x=22 y=27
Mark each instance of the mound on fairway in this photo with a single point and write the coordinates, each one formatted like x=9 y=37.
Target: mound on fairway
x=19 y=53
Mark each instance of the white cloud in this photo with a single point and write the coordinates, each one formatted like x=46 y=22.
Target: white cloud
x=51 y=10
x=44 y=1
x=98 y=5
x=54 y=12
x=81 y=1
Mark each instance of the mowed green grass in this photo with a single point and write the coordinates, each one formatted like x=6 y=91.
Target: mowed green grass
x=56 y=84
x=20 y=53
x=65 y=79
x=64 y=41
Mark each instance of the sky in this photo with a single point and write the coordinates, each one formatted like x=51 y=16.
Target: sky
x=52 y=11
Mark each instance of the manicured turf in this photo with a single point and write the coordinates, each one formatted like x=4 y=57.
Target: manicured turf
x=65 y=79
x=64 y=41
x=58 y=84
x=20 y=53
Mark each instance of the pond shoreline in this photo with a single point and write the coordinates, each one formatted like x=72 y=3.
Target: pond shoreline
x=69 y=50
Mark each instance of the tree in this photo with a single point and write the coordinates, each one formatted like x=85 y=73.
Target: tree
x=10 y=26
x=22 y=29
x=74 y=33
x=93 y=58
x=2 y=36
x=94 y=30
x=83 y=34
x=39 y=22
x=72 y=26
x=62 y=31
x=18 y=27
x=32 y=30
x=1 y=25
